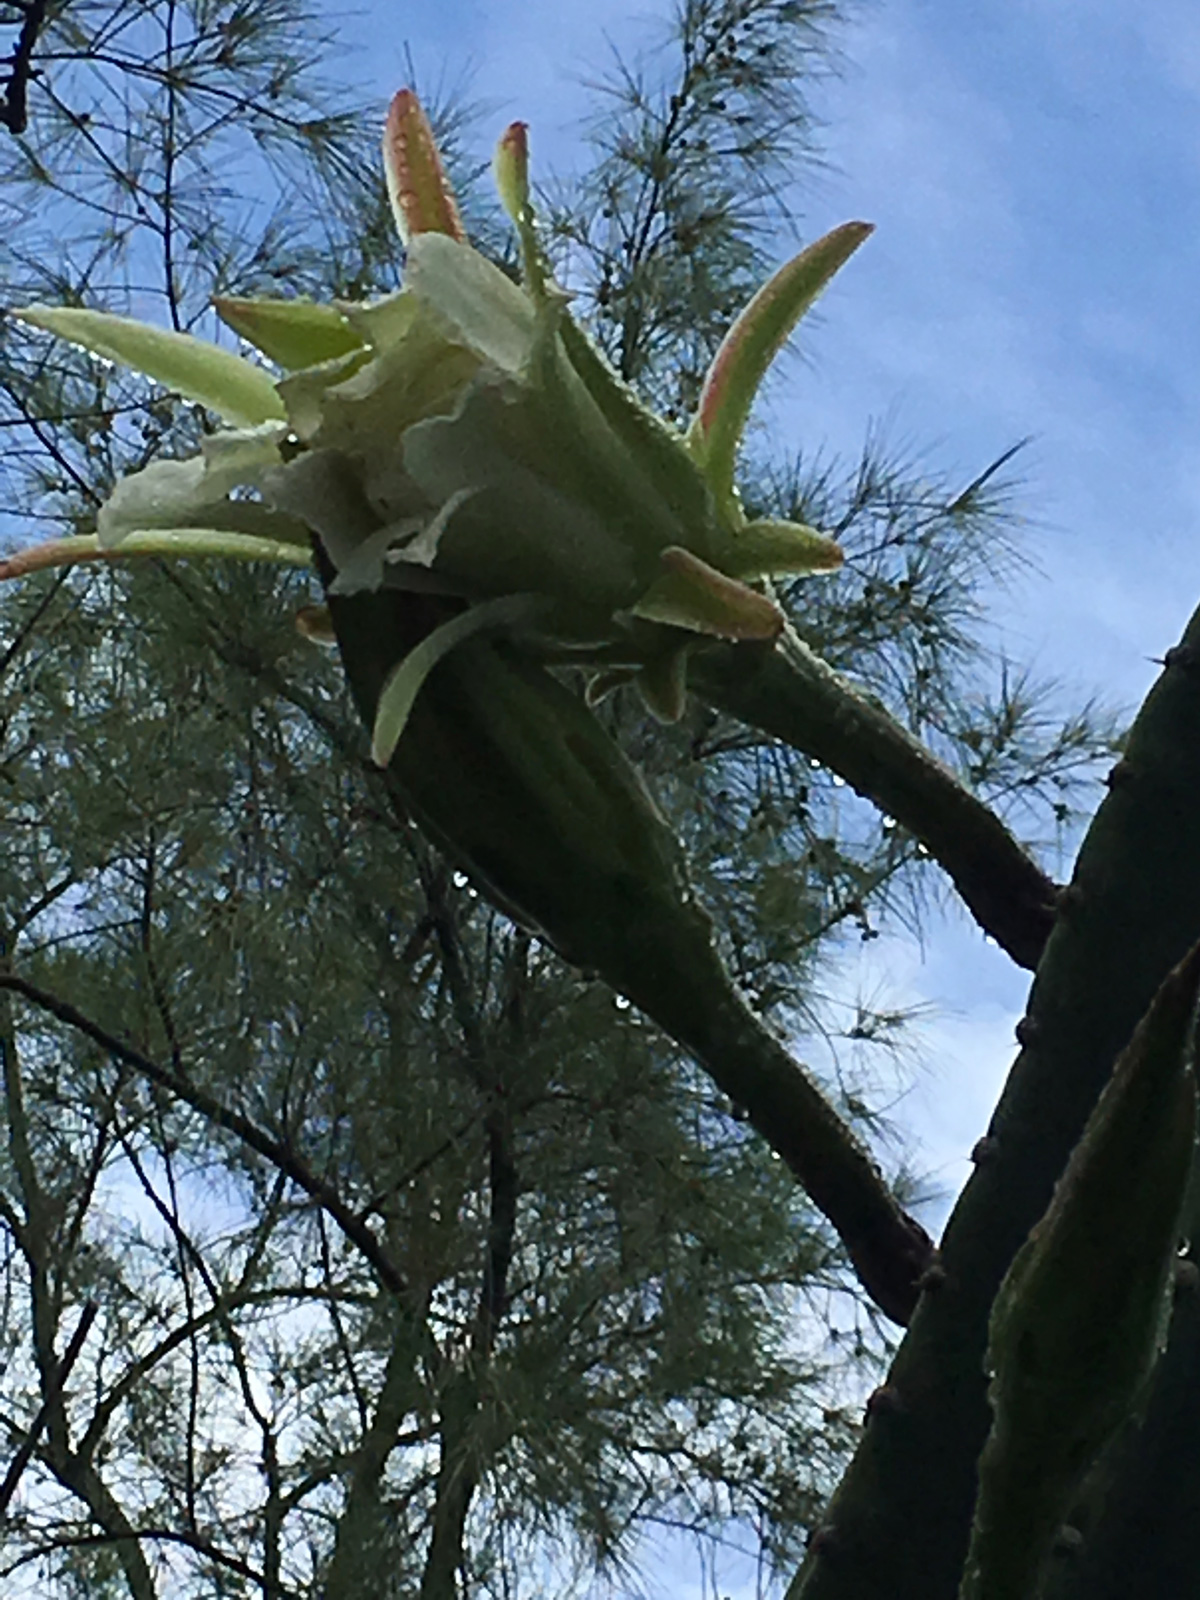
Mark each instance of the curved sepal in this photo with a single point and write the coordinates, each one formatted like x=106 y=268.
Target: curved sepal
x=662 y=684
x=173 y=543
x=239 y=392
x=770 y=548
x=750 y=346
x=691 y=594
x=403 y=683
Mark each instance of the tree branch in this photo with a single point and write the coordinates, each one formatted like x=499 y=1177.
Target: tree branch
x=222 y=1116
x=14 y=106
x=53 y=1394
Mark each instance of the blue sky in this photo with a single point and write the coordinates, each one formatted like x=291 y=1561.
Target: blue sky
x=1032 y=169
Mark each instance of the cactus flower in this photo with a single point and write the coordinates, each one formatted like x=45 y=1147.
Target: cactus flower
x=457 y=459
x=464 y=437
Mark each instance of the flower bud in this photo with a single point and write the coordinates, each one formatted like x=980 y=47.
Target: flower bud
x=510 y=170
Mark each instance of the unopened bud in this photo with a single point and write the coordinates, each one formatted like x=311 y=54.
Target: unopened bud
x=422 y=200
x=510 y=169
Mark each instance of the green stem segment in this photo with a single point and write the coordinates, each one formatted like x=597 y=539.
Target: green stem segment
x=1076 y=1326
x=788 y=692
x=512 y=775
x=1138 y=1513
x=898 y=1526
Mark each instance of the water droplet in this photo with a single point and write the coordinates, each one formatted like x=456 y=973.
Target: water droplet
x=459 y=880
x=838 y=783
x=621 y=1003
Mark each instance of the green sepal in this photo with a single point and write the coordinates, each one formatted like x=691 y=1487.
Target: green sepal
x=171 y=543
x=662 y=684
x=239 y=392
x=293 y=333
x=770 y=548
x=655 y=452
x=751 y=345
x=691 y=594
x=404 y=682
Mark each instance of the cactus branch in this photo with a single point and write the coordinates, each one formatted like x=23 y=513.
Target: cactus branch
x=1137 y=1517
x=900 y=1520
x=787 y=691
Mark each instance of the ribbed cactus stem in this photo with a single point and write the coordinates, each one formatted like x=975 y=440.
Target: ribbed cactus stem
x=902 y=1514
x=513 y=775
x=787 y=691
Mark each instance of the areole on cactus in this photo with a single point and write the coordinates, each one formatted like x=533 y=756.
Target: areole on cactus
x=463 y=436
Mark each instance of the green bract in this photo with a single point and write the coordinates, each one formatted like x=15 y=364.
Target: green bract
x=465 y=436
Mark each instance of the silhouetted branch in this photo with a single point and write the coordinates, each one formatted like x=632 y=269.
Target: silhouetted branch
x=14 y=108
x=222 y=1116
x=53 y=1392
